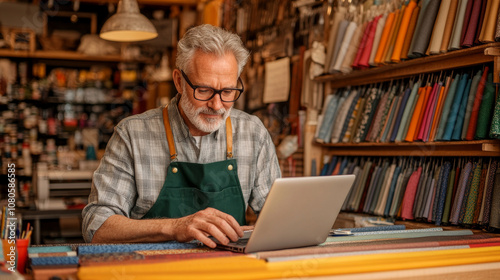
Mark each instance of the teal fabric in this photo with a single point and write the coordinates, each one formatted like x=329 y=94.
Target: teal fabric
x=447 y=107
x=470 y=103
x=485 y=111
x=452 y=118
x=457 y=130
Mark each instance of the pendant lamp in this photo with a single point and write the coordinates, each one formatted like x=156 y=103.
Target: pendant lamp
x=128 y=24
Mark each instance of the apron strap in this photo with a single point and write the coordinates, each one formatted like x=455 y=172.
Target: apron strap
x=170 y=136
x=171 y=143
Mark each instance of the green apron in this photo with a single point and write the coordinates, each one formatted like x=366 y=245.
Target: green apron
x=191 y=187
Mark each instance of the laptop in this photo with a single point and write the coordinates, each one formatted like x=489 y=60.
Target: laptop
x=298 y=212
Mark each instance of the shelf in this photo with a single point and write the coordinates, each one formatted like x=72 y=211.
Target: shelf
x=429 y=64
x=417 y=149
x=67 y=55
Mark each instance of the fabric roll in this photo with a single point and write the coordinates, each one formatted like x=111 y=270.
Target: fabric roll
x=409 y=197
x=352 y=49
x=367 y=168
x=448 y=26
x=463 y=207
x=326 y=126
x=376 y=40
x=399 y=192
x=430 y=199
x=403 y=31
x=374 y=198
x=337 y=18
x=348 y=35
x=365 y=56
x=371 y=188
x=420 y=124
x=479 y=203
x=384 y=38
x=342 y=115
x=338 y=43
x=390 y=120
x=485 y=110
x=482 y=16
x=490 y=23
x=457 y=130
x=488 y=198
x=447 y=107
x=429 y=110
x=470 y=103
x=467 y=16
x=485 y=20
x=457 y=25
x=416 y=115
x=470 y=33
x=471 y=129
x=435 y=202
x=408 y=111
x=424 y=35
x=411 y=31
x=449 y=196
x=382 y=109
x=459 y=197
x=349 y=120
x=399 y=115
x=494 y=220
x=421 y=18
x=393 y=35
x=384 y=191
x=483 y=205
x=362 y=44
x=473 y=194
x=390 y=195
x=354 y=118
x=421 y=193
x=439 y=27
x=452 y=117
x=443 y=188
x=497 y=30
x=495 y=121
x=371 y=105
x=439 y=110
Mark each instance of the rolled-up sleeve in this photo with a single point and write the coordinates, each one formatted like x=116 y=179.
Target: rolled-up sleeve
x=113 y=186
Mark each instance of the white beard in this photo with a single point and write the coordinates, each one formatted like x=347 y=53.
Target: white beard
x=207 y=125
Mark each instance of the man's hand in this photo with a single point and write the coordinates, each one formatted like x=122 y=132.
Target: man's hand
x=204 y=223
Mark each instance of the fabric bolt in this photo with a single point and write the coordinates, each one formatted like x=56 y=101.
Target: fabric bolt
x=422 y=17
x=470 y=33
x=443 y=189
x=371 y=105
x=394 y=35
x=400 y=113
x=439 y=181
x=398 y=195
x=349 y=120
x=494 y=220
x=419 y=196
x=490 y=185
x=408 y=111
x=451 y=120
x=392 y=118
x=342 y=27
x=485 y=20
x=497 y=30
x=489 y=25
x=403 y=31
x=430 y=199
x=427 y=186
x=424 y=35
x=483 y=205
x=473 y=194
x=470 y=103
x=338 y=16
x=368 y=167
x=439 y=110
x=352 y=49
x=371 y=188
x=439 y=26
x=384 y=38
x=365 y=56
x=485 y=110
x=420 y=124
x=380 y=137
x=429 y=108
x=471 y=129
x=362 y=44
x=373 y=198
x=457 y=130
x=380 y=114
x=467 y=16
x=458 y=173
x=495 y=121
x=354 y=118
x=459 y=197
x=479 y=201
x=433 y=112
x=482 y=16
x=376 y=40
x=346 y=40
x=410 y=32
x=326 y=126
x=390 y=194
x=447 y=107
x=341 y=116
x=449 y=196
x=416 y=115
x=457 y=25
x=382 y=198
x=409 y=197
x=448 y=26
x=463 y=207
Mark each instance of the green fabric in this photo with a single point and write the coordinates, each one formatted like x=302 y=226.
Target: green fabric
x=472 y=196
x=197 y=186
x=449 y=195
x=495 y=121
x=485 y=111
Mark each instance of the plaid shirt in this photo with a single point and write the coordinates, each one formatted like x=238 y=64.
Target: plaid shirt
x=134 y=166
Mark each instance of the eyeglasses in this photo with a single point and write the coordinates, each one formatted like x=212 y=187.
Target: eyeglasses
x=203 y=93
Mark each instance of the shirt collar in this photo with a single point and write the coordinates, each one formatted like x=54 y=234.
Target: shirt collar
x=179 y=126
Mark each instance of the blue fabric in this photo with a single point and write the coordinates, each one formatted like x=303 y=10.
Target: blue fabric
x=457 y=131
x=122 y=248
x=452 y=118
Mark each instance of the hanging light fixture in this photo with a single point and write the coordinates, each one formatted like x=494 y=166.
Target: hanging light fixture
x=128 y=24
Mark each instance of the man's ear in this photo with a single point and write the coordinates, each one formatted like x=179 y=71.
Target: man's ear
x=177 y=76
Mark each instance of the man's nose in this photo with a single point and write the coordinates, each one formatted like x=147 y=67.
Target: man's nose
x=215 y=103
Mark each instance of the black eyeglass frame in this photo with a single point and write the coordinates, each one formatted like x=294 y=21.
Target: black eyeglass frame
x=194 y=87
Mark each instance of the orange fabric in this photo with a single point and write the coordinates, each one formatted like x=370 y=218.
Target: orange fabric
x=416 y=115
x=485 y=20
x=428 y=91
x=437 y=113
x=384 y=39
x=410 y=33
x=403 y=31
x=394 y=34
x=449 y=26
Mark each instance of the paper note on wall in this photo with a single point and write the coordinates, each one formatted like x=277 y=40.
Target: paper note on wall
x=277 y=81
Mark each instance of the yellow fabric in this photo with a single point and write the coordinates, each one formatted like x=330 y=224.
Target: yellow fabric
x=246 y=267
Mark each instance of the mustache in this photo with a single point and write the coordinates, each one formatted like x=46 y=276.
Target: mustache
x=211 y=111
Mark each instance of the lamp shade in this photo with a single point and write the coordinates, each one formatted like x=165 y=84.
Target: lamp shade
x=128 y=24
